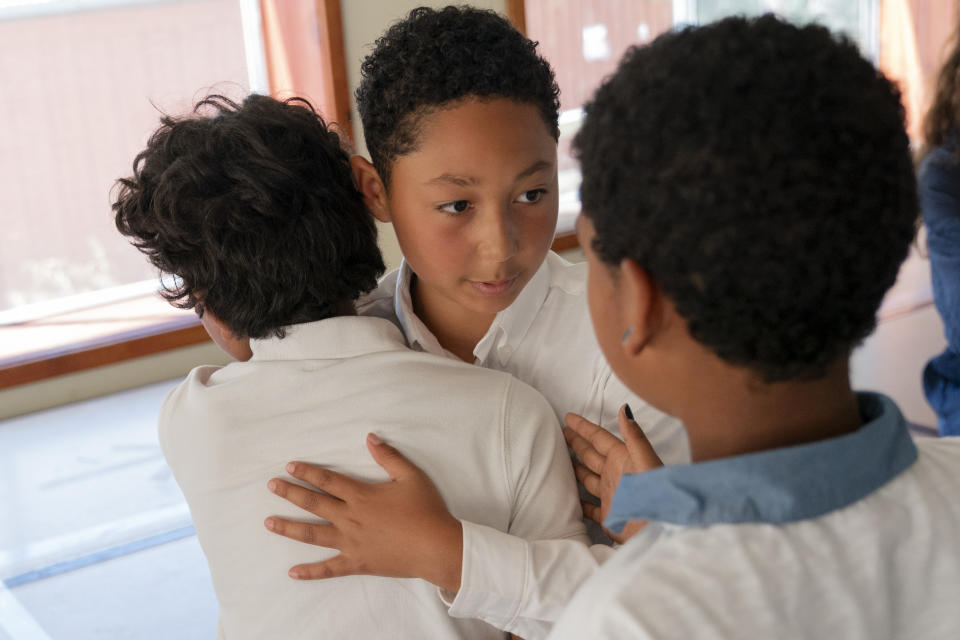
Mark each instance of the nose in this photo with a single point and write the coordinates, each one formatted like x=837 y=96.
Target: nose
x=499 y=235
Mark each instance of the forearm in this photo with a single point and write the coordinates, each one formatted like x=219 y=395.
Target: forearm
x=518 y=585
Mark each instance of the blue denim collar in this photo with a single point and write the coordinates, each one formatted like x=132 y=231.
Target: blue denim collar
x=775 y=486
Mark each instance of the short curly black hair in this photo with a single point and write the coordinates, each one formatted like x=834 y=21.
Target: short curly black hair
x=434 y=57
x=254 y=209
x=760 y=172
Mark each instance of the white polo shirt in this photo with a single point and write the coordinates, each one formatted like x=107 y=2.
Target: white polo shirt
x=545 y=338
x=489 y=442
x=855 y=537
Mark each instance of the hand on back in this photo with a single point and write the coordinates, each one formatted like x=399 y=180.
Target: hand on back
x=398 y=529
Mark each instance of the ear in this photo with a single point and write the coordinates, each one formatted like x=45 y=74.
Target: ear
x=372 y=187
x=641 y=306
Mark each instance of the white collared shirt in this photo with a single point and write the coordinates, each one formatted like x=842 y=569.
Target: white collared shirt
x=490 y=443
x=545 y=338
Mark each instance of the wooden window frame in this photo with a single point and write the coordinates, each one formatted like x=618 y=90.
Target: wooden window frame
x=516 y=12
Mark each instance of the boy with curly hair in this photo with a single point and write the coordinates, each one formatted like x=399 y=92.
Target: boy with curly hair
x=253 y=208
x=748 y=198
x=460 y=117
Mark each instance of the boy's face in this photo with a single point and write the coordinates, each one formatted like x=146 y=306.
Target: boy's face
x=475 y=206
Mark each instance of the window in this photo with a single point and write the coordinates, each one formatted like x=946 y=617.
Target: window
x=84 y=85
x=584 y=40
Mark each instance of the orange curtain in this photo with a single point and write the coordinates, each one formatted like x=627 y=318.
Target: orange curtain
x=303 y=40
x=900 y=58
x=913 y=34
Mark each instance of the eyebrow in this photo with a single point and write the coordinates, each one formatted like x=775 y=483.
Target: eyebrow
x=449 y=178
x=463 y=181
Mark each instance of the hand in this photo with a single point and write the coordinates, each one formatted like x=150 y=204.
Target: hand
x=603 y=458
x=396 y=529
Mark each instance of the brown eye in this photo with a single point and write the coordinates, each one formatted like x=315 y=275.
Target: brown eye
x=529 y=197
x=457 y=206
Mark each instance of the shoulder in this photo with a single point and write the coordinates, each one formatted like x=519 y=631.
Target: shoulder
x=568 y=278
x=524 y=405
x=938 y=463
x=195 y=401
x=563 y=313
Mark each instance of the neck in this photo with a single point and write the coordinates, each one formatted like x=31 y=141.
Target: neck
x=458 y=330
x=739 y=415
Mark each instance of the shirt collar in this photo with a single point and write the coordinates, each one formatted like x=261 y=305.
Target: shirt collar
x=511 y=325
x=775 y=486
x=418 y=336
x=503 y=337
x=333 y=338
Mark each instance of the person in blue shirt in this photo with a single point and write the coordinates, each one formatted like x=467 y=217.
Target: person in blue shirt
x=939 y=186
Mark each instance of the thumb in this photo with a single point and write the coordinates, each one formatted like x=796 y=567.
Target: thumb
x=393 y=462
x=642 y=455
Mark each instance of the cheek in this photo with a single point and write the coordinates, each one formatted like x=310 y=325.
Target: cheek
x=432 y=249
x=538 y=229
x=605 y=324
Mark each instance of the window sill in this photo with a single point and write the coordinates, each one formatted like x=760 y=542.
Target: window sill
x=50 y=347
x=43 y=349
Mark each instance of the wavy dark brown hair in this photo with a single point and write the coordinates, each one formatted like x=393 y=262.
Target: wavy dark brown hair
x=944 y=113
x=254 y=208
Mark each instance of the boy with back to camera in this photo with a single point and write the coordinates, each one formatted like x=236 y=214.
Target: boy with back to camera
x=254 y=208
x=748 y=197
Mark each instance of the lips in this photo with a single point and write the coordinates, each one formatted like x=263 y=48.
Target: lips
x=494 y=287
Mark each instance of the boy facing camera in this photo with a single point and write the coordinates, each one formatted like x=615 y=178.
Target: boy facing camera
x=253 y=207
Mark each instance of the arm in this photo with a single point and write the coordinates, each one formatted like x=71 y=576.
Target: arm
x=513 y=583
x=521 y=580
x=401 y=528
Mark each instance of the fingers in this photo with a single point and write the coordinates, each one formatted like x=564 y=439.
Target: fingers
x=642 y=455
x=320 y=504
x=335 y=567
x=331 y=482
x=321 y=535
x=589 y=480
x=601 y=439
x=393 y=462
x=584 y=450
x=592 y=512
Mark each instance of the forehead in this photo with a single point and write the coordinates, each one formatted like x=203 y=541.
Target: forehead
x=461 y=131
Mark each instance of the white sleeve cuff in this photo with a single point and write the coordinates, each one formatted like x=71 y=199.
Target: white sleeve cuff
x=493 y=578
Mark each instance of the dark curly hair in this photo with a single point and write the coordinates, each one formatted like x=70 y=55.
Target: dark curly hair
x=433 y=57
x=254 y=209
x=760 y=172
